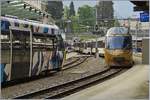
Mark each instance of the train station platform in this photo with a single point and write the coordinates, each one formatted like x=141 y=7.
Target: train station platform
x=130 y=85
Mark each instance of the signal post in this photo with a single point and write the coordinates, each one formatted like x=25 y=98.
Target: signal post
x=96 y=45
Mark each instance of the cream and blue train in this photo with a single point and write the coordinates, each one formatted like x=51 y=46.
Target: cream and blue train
x=29 y=48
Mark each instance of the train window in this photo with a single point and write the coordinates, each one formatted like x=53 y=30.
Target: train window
x=38 y=42
x=25 y=25
x=119 y=42
x=60 y=43
x=42 y=43
x=16 y=24
x=45 y=30
x=5 y=48
x=21 y=39
x=5 y=25
x=50 y=44
x=53 y=31
x=5 y=38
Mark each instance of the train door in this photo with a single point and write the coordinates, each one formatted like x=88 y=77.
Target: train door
x=21 y=51
x=47 y=53
x=61 y=50
x=5 y=56
x=42 y=52
x=37 y=55
x=54 y=58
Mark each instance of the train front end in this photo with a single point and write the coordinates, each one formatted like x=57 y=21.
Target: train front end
x=118 y=48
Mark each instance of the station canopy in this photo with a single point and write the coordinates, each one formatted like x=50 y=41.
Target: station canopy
x=22 y=10
x=141 y=5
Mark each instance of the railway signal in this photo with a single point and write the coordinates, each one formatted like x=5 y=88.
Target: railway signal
x=96 y=27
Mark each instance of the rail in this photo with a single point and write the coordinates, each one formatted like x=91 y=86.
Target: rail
x=68 y=65
x=76 y=62
x=67 y=88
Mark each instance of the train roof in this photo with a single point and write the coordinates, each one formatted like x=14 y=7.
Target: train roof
x=117 y=31
x=28 y=24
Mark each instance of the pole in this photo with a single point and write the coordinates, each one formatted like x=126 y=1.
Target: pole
x=136 y=34
x=96 y=47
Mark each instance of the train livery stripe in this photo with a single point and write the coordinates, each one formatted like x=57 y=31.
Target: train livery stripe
x=35 y=27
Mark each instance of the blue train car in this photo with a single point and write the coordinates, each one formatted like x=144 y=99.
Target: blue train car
x=29 y=48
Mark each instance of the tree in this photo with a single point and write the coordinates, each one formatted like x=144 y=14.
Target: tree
x=116 y=23
x=75 y=24
x=71 y=11
x=69 y=16
x=55 y=8
x=66 y=12
x=87 y=15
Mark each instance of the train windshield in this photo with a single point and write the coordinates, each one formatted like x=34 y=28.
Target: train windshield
x=119 y=42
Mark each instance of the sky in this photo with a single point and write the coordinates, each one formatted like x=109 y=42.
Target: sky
x=123 y=9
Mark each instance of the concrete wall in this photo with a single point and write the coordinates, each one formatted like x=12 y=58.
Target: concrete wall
x=145 y=51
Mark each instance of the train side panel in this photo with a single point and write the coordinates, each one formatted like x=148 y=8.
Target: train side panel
x=17 y=61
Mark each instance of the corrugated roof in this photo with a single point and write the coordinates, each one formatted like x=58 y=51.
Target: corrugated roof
x=22 y=10
x=141 y=5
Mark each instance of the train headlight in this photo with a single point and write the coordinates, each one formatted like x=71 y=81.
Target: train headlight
x=111 y=51
x=115 y=52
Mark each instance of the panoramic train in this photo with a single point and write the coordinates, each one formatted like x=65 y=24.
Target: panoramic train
x=118 y=47
x=29 y=48
x=88 y=47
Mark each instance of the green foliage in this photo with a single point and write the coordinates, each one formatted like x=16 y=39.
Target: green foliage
x=116 y=23
x=86 y=36
x=75 y=25
x=69 y=14
x=83 y=21
x=66 y=12
x=71 y=11
x=55 y=8
x=87 y=15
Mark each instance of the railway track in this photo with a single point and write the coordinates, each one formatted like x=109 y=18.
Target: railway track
x=72 y=86
x=75 y=62
x=70 y=61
